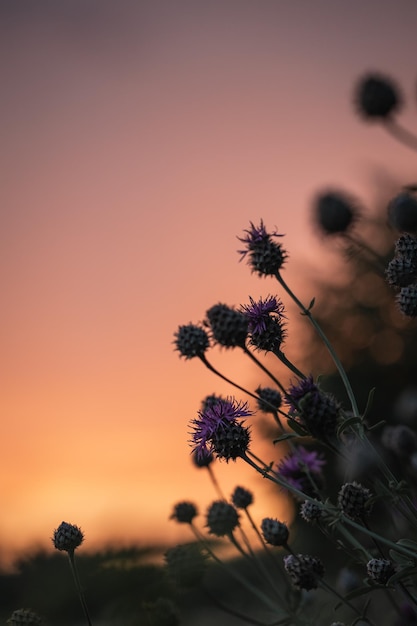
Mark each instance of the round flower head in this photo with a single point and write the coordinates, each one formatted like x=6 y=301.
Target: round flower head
x=317 y=410
x=269 y=400
x=20 y=617
x=184 y=512
x=186 y=564
x=302 y=469
x=265 y=323
x=311 y=511
x=265 y=256
x=402 y=212
x=406 y=247
x=204 y=459
x=217 y=430
x=353 y=500
x=407 y=300
x=67 y=537
x=377 y=97
x=228 y=326
x=401 y=272
x=304 y=570
x=334 y=212
x=191 y=341
x=274 y=532
x=380 y=570
x=242 y=498
x=222 y=518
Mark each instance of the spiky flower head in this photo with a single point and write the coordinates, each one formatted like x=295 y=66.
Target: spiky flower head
x=184 y=512
x=265 y=323
x=334 y=212
x=311 y=511
x=217 y=430
x=317 y=410
x=191 y=340
x=402 y=212
x=274 y=532
x=229 y=327
x=210 y=400
x=186 y=564
x=304 y=570
x=400 y=439
x=67 y=537
x=269 y=400
x=303 y=469
x=242 y=498
x=265 y=256
x=407 y=300
x=22 y=617
x=222 y=518
x=406 y=247
x=377 y=97
x=353 y=500
x=380 y=570
x=400 y=272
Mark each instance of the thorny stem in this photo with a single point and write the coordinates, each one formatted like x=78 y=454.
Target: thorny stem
x=326 y=342
x=74 y=571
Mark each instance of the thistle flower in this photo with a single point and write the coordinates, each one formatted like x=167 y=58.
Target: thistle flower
x=186 y=564
x=274 y=532
x=269 y=400
x=265 y=323
x=67 y=537
x=401 y=272
x=217 y=430
x=311 y=511
x=209 y=401
x=242 y=498
x=184 y=512
x=302 y=469
x=402 y=212
x=334 y=212
x=407 y=300
x=191 y=340
x=353 y=500
x=377 y=97
x=222 y=518
x=265 y=256
x=229 y=327
x=22 y=617
x=380 y=570
x=304 y=570
x=318 y=411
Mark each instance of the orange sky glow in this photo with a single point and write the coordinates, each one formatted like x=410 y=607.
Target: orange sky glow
x=138 y=140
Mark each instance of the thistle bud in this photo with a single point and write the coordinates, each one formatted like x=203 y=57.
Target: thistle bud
x=274 y=532
x=242 y=498
x=407 y=300
x=228 y=326
x=305 y=571
x=184 y=512
x=353 y=499
x=402 y=212
x=380 y=570
x=67 y=537
x=191 y=341
x=222 y=518
x=377 y=97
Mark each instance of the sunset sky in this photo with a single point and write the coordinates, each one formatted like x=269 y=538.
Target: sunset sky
x=138 y=140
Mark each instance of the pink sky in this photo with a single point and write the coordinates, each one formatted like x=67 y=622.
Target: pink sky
x=138 y=139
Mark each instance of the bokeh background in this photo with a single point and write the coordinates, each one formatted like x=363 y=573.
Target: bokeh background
x=138 y=139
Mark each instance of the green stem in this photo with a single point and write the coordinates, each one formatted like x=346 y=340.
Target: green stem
x=78 y=586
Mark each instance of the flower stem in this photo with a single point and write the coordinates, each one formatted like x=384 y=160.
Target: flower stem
x=74 y=571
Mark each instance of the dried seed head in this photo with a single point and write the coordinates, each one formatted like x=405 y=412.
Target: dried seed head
x=334 y=212
x=353 y=499
x=304 y=570
x=407 y=300
x=222 y=518
x=184 y=512
x=242 y=498
x=274 y=532
x=23 y=617
x=229 y=327
x=377 y=97
x=191 y=340
x=186 y=564
x=402 y=212
x=67 y=537
x=380 y=570
x=311 y=511
x=401 y=272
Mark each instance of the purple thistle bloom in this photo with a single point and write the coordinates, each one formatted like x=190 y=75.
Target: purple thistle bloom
x=297 y=466
x=265 y=255
x=258 y=313
x=217 y=429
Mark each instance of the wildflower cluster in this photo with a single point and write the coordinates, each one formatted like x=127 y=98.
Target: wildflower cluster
x=319 y=435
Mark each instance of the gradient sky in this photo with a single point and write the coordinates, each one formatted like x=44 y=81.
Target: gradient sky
x=137 y=140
